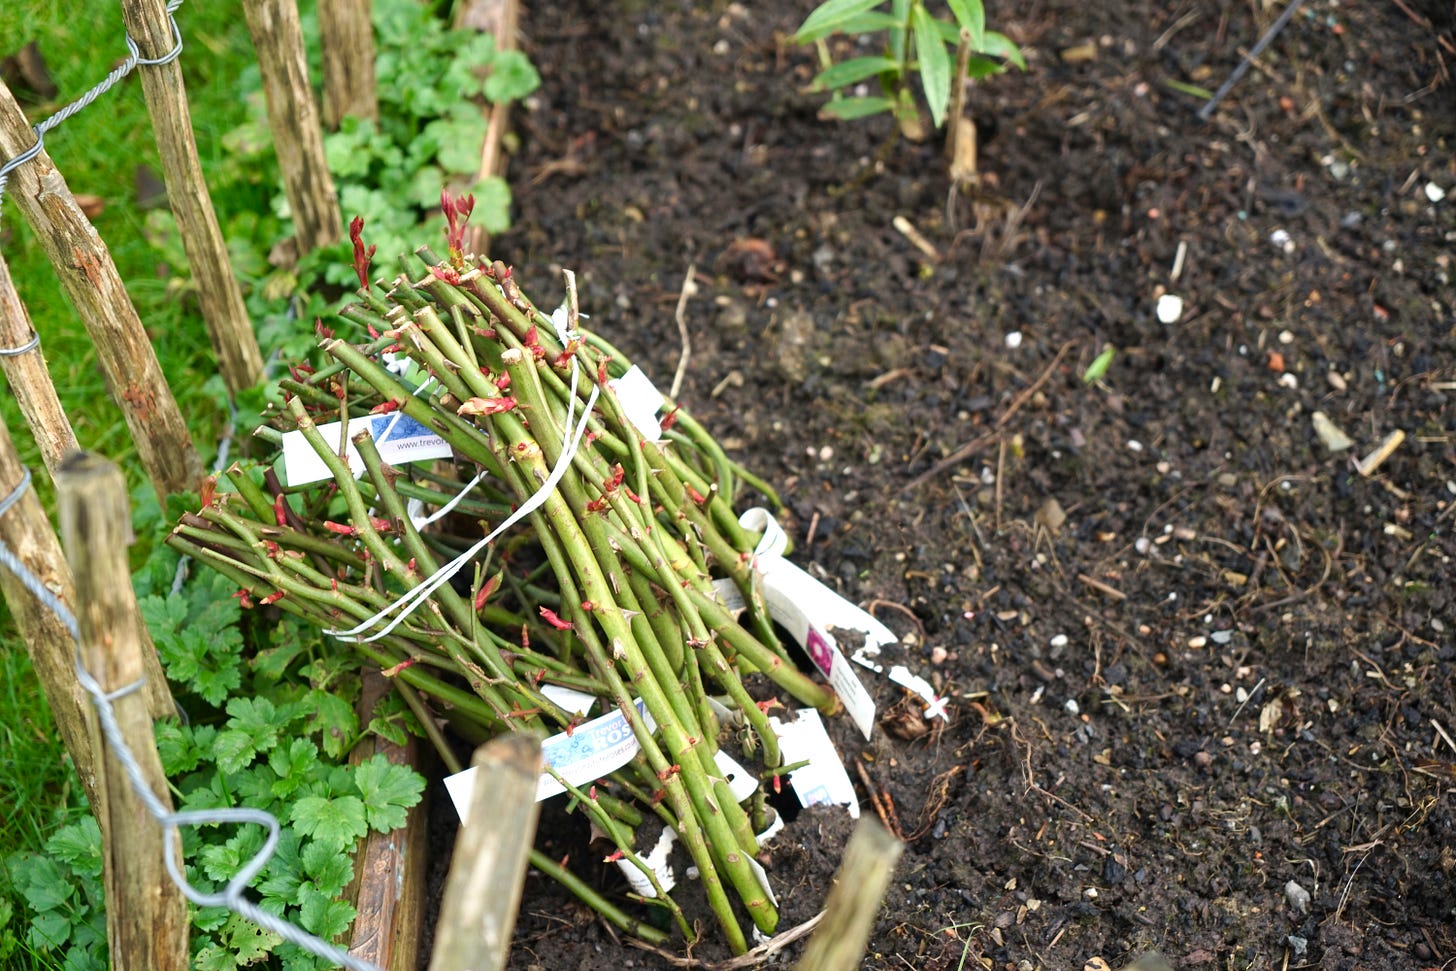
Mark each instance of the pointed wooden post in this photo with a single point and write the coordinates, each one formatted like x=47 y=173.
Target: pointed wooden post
x=228 y=324
x=854 y=902
x=29 y=380
x=501 y=19
x=346 y=34
x=146 y=914
x=90 y=279
x=27 y=532
x=30 y=536
x=297 y=137
x=488 y=870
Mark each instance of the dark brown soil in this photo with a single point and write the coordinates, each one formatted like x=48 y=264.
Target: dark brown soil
x=1229 y=668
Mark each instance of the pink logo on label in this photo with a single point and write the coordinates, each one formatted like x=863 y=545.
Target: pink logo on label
x=819 y=651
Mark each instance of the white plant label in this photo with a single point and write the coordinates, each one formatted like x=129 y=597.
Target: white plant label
x=590 y=751
x=399 y=438
x=641 y=401
x=824 y=780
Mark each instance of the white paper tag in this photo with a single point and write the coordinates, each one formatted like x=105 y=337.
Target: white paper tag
x=774 y=540
x=590 y=751
x=824 y=780
x=657 y=861
x=399 y=438
x=740 y=781
x=934 y=704
x=569 y=700
x=640 y=400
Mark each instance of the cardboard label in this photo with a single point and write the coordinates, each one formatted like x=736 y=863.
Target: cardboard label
x=399 y=438
x=641 y=401
x=824 y=780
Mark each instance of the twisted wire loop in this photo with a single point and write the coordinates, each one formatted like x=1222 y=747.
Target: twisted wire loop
x=107 y=83
x=231 y=896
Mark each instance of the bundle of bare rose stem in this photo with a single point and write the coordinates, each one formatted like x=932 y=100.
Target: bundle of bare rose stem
x=603 y=580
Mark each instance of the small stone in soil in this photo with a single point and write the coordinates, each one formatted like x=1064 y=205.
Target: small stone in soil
x=1170 y=308
x=1297 y=896
x=1329 y=433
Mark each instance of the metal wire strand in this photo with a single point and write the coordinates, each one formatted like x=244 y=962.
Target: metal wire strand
x=29 y=345
x=107 y=83
x=231 y=896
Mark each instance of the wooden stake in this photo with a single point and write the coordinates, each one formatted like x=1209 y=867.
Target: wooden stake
x=146 y=914
x=29 y=380
x=25 y=529
x=90 y=279
x=228 y=325
x=501 y=19
x=294 y=120
x=346 y=35
x=869 y=861
x=483 y=891
x=390 y=868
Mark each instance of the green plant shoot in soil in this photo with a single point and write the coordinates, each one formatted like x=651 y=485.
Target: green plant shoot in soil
x=917 y=44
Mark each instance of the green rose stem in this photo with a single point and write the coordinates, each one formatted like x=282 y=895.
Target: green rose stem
x=662 y=655
x=722 y=841
x=656 y=766
x=624 y=839
x=479 y=681
x=596 y=901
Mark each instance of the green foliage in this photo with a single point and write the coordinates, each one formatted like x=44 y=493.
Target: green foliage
x=1098 y=368
x=917 y=43
x=273 y=739
x=390 y=172
x=197 y=636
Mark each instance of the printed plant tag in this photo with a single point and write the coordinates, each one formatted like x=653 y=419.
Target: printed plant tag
x=640 y=400
x=824 y=779
x=592 y=750
x=399 y=438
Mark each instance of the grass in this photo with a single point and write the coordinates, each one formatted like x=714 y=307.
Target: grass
x=99 y=152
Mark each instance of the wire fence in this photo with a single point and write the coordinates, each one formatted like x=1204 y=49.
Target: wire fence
x=232 y=896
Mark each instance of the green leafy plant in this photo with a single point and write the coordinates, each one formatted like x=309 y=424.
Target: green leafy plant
x=917 y=42
x=390 y=172
x=272 y=721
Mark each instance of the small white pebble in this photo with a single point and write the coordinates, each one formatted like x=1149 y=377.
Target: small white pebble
x=1013 y=339
x=1170 y=308
x=1282 y=241
x=1072 y=706
x=1142 y=545
x=1286 y=337
x=1288 y=380
x=1090 y=893
x=1434 y=192
x=1222 y=636
x=1134 y=445
x=1197 y=642
x=1059 y=641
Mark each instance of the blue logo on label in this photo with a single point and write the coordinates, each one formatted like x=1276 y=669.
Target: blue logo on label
x=399 y=428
